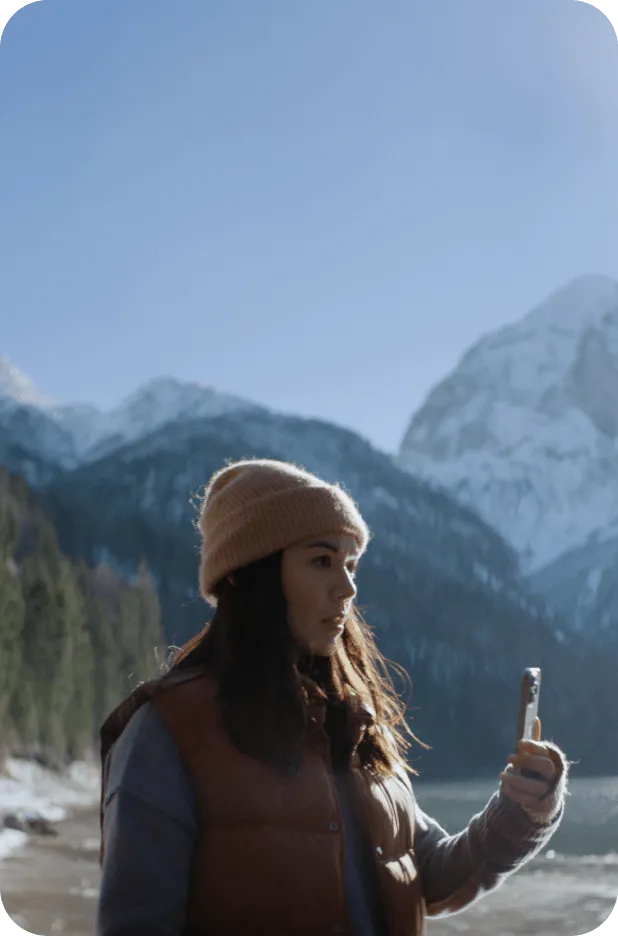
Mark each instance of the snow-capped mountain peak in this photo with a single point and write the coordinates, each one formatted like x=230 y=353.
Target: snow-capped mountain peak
x=581 y=302
x=74 y=433
x=525 y=429
x=15 y=387
x=166 y=399
x=158 y=402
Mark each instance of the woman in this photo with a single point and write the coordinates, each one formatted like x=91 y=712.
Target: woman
x=260 y=786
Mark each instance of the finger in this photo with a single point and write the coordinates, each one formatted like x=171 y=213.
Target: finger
x=528 y=746
x=543 y=765
x=537 y=729
x=523 y=786
x=522 y=798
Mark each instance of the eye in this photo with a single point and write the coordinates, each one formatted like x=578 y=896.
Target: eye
x=324 y=562
x=353 y=569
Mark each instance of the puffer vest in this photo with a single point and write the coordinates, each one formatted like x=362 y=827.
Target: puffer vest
x=270 y=860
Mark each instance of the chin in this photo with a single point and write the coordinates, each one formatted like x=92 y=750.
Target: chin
x=327 y=650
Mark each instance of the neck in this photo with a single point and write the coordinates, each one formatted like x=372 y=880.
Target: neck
x=317 y=669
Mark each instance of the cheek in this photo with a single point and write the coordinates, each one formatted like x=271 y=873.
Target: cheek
x=304 y=603
x=301 y=608
x=303 y=590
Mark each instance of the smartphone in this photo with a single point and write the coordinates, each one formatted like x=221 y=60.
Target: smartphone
x=529 y=710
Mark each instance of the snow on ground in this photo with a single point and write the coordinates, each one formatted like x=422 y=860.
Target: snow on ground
x=27 y=788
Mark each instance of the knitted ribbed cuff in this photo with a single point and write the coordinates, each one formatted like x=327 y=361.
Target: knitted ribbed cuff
x=551 y=804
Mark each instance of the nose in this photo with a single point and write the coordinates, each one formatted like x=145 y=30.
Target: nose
x=346 y=587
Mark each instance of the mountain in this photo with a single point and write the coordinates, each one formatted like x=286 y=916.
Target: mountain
x=525 y=429
x=440 y=587
x=38 y=436
x=155 y=404
x=15 y=387
x=583 y=588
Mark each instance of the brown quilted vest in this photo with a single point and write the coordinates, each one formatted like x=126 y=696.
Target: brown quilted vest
x=270 y=860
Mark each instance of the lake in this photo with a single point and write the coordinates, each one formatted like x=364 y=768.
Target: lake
x=568 y=890
x=589 y=827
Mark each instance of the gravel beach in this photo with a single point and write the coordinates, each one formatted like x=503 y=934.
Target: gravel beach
x=51 y=885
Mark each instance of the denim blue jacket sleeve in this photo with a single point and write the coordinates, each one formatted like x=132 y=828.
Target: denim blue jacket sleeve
x=150 y=830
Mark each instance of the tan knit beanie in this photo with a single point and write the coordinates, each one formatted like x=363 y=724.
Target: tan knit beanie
x=253 y=508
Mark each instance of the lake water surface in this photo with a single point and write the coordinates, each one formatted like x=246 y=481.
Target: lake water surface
x=589 y=827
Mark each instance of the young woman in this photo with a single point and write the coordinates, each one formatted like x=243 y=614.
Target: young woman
x=260 y=786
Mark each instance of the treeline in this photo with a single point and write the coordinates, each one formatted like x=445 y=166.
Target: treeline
x=74 y=640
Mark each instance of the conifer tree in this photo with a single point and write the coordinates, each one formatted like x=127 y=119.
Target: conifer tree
x=150 y=636
x=106 y=683
x=79 y=719
x=52 y=617
x=11 y=621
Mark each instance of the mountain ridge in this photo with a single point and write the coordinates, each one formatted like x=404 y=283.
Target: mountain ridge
x=524 y=428
x=80 y=432
x=524 y=432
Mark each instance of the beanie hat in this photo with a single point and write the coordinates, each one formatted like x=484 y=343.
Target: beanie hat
x=253 y=508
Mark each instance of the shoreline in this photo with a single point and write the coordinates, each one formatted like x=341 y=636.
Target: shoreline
x=51 y=884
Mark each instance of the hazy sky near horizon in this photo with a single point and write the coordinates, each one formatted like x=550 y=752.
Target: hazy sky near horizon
x=318 y=206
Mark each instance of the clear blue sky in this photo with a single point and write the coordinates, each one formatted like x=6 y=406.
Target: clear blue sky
x=317 y=205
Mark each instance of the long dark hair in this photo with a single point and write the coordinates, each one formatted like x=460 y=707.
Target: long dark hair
x=249 y=649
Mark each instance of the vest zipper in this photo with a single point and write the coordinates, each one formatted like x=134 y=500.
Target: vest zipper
x=344 y=856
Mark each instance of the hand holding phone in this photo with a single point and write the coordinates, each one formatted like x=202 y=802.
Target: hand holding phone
x=529 y=711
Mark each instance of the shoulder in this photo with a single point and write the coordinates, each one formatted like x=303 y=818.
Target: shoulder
x=178 y=694
x=144 y=745
x=187 y=683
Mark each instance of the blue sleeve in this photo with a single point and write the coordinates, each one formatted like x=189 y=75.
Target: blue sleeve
x=150 y=832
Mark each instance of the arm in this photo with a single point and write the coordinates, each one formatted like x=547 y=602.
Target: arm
x=146 y=871
x=457 y=870
x=150 y=833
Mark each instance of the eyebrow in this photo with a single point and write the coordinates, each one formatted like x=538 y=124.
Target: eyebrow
x=322 y=544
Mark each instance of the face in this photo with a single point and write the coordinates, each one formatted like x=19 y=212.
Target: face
x=318 y=578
